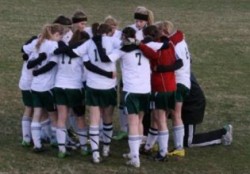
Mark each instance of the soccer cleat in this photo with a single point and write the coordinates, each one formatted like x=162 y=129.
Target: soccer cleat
x=228 y=137
x=145 y=152
x=96 y=159
x=86 y=151
x=26 y=144
x=63 y=154
x=105 y=151
x=120 y=135
x=159 y=157
x=39 y=149
x=177 y=153
x=127 y=156
x=133 y=163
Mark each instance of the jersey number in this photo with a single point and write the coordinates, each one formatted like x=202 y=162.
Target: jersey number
x=138 y=55
x=187 y=53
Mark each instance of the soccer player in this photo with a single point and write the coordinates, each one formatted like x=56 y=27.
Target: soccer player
x=143 y=17
x=100 y=92
x=193 y=111
x=163 y=90
x=43 y=80
x=136 y=91
x=182 y=79
x=25 y=87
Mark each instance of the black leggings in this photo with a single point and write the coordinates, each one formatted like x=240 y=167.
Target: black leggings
x=202 y=139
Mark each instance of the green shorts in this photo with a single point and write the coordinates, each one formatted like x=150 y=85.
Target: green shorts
x=135 y=103
x=68 y=97
x=83 y=95
x=162 y=100
x=27 y=98
x=181 y=93
x=101 y=98
x=44 y=100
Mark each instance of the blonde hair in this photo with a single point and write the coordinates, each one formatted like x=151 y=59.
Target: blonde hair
x=143 y=10
x=47 y=32
x=166 y=26
x=110 y=20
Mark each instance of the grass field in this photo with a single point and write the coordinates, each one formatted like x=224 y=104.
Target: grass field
x=218 y=34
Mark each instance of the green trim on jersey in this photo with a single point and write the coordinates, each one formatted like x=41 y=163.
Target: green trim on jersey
x=135 y=103
x=101 y=98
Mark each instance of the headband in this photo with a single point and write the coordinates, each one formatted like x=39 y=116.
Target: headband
x=76 y=20
x=141 y=16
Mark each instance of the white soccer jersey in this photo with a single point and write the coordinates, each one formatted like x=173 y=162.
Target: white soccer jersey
x=45 y=81
x=67 y=37
x=69 y=72
x=26 y=74
x=139 y=34
x=26 y=77
x=89 y=31
x=135 y=71
x=29 y=48
x=183 y=74
x=117 y=34
x=89 y=51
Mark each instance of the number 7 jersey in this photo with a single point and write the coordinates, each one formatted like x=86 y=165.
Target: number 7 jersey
x=135 y=71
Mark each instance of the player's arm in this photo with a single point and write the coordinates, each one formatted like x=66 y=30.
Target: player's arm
x=103 y=56
x=50 y=65
x=95 y=69
x=169 y=68
x=36 y=61
x=148 y=52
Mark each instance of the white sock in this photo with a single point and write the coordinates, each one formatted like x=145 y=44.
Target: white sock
x=163 y=142
x=94 y=137
x=36 y=134
x=83 y=137
x=61 y=139
x=26 y=130
x=46 y=129
x=178 y=132
x=151 y=139
x=134 y=145
x=107 y=133
x=53 y=135
x=123 y=119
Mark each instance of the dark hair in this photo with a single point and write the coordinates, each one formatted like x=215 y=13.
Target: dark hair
x=151 y=31
x=99 y=29
x=128 y=32
x=62 y=20
x=79 y=36
x=79 y=16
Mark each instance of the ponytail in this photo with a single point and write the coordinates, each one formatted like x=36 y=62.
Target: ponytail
x=99 y=29
x=95 y=27
x=47 y=32
x=150 y=17
x=44 y=35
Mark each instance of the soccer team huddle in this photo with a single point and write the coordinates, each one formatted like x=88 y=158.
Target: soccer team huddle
x=69 y=66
